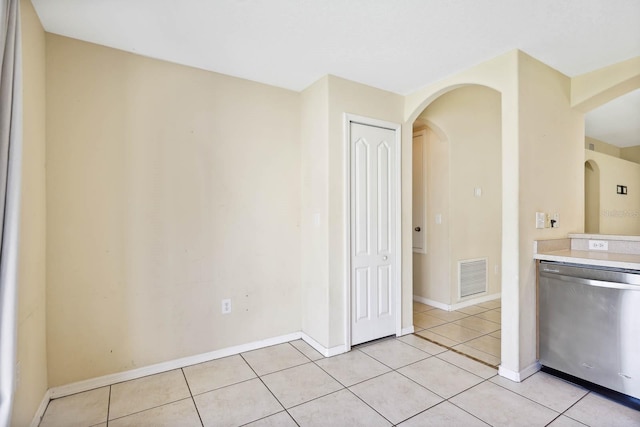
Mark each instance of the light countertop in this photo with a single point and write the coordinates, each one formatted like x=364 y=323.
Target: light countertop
x=605 y=259
x=614 y=237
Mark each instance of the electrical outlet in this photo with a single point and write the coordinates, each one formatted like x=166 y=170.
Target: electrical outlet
x=226 y=306
x=598 y=245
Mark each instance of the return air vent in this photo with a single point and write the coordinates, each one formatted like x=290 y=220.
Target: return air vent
x=472 y=276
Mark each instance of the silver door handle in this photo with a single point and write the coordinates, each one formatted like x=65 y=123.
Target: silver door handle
x=384 y=258
x=417 y=228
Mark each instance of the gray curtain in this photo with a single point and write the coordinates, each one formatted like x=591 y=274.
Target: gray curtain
x=10 y=172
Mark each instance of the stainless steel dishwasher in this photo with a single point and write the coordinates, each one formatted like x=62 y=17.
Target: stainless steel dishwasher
x=589 y=324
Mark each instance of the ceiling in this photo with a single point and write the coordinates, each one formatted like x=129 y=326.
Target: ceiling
x=617 y=122
x=396 y=45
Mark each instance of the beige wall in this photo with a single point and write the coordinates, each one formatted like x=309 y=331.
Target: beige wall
x=347 y=97
x=618 y=214
x=315 y=211
x=323 y=107
x=469 y=118
x=169 y=189
x=32 y=354
x=431 y=270
x=631 y=154
x=551 y=145
x=602 y=147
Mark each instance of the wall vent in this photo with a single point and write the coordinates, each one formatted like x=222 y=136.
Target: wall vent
x=472 y=276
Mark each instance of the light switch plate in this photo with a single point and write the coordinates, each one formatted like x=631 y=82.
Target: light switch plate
x=540 y=219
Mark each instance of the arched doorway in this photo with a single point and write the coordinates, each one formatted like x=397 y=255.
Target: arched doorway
x=591 y=197
x=456 y=278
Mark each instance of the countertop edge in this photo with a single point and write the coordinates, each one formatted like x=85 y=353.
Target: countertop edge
x=614 y=237
x=587 y=261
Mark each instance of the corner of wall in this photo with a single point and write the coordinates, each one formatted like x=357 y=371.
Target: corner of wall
x=32 y=372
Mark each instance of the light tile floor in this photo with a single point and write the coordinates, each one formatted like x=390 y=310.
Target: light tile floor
x=406 y=381
x=473 y=330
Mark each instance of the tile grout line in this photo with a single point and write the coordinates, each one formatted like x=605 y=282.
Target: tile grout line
x=192 y=397
x=576 y=402
x=485 y=363
x=108 y=405
x=149 y=409
x=345 y=387
x=267 y=387
x=464 y=410
x=369 y=406
x=359 y=382
x=432 y=354
x=279 y=370
x=302 y=403
x=475 y=348
x=458 y=351
x=444 y=399
x=529 y=399
x=461 y=343
x=429 y=355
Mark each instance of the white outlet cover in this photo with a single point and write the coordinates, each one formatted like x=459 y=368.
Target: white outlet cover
x=226 y=306
x=598 y=245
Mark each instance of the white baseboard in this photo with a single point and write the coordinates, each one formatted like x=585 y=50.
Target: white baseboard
x=407 y=331
x=432 y=303
x=326 y=352
x=106 y=380
x=474 y=301
x=457 y=306
x=37 y=417
x=521 y=375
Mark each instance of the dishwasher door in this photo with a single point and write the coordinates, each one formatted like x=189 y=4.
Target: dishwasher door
x=589 y=324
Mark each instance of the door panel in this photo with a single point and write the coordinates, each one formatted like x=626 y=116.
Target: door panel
x=384 y=196
x=384 y=291
x=361 y=192
x=362 y=293
x=373 y=218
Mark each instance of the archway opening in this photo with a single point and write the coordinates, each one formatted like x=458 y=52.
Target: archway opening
x=457 y=206
x=591 y=197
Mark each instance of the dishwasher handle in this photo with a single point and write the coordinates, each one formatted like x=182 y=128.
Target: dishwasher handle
x=589 y=282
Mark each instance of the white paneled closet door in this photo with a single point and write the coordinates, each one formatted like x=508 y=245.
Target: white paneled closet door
x=373 y=232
